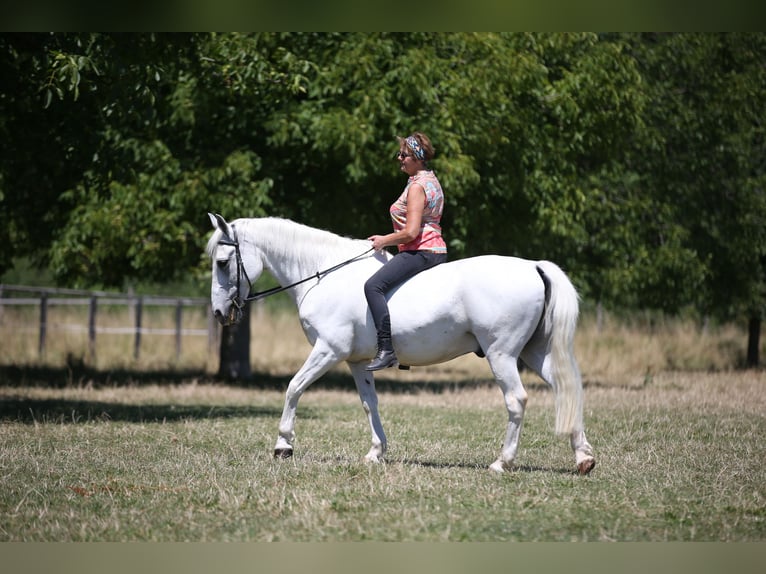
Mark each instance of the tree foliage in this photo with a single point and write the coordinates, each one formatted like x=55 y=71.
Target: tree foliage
x=150 y=132
x=635 y=161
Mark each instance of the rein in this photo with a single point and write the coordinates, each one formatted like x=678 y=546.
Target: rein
x=239 y=303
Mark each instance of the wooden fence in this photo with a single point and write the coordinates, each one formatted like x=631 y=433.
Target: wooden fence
x=44 y=297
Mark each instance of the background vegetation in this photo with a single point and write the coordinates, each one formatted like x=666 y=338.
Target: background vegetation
x=633 y=160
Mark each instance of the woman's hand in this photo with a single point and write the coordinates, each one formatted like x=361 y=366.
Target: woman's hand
x=378 y=241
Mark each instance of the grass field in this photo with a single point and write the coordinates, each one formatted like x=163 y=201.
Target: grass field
x=680 y=459
x=680 y=452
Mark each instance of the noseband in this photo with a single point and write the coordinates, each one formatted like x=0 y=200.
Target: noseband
x=237 y=300
x=239 y=303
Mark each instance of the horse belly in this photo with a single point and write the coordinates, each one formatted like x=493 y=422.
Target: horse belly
x=429 y=330
x=436 y=343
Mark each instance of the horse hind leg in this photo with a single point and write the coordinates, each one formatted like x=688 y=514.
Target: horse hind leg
x=539 y=360
x=583 y=452
x=506 y=372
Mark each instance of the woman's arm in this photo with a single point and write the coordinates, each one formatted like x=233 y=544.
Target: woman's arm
x=416 y=202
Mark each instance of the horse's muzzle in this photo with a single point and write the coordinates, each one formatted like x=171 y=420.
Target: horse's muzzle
x=220 y=317
x=233 y=317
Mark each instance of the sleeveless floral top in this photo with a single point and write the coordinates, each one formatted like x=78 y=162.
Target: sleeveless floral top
x=430 y=237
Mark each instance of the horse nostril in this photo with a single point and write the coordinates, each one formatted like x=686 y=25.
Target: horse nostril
x=218 y=315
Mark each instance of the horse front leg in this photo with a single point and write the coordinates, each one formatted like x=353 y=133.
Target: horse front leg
x=320 y=360
x=365 y=385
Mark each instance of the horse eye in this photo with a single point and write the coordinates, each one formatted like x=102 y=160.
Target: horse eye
x=222 y=263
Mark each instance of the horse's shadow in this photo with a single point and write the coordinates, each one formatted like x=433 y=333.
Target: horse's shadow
x=528 y=469
x=464 y=465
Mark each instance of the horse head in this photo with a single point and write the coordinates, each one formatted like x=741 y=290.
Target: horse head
x=233 y=271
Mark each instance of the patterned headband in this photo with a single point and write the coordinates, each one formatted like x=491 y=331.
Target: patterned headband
x=416 y=148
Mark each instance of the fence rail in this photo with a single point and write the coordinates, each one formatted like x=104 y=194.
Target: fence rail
x=45 y=297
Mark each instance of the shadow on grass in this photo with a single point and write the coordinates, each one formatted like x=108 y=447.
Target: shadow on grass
x=64 y=411
x=523 y=468
x=82 y=376
x=519 y=468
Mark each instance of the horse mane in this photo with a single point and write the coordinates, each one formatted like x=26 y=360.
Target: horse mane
x=281 y=236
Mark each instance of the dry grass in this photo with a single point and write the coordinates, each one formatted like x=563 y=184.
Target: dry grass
x=680 y=459
x=614 y=352
x=627 y=352
x=67 y=339
x=678 y=432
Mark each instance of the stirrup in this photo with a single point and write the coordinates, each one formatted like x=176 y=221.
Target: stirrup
x=382 y=360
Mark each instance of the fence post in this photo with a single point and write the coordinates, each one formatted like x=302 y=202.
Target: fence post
x=179 y=315
x=212 y=330
x=92 y=327
x=137 y=341
x=43 y=324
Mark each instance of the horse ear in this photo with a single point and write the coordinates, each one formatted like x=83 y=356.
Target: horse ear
x=220 y=223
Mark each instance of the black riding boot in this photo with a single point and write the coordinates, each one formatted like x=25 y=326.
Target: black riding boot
x=385 y=357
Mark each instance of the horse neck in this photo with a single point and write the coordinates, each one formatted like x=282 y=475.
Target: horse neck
x=292 y=251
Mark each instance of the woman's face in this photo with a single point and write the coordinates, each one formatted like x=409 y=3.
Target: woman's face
x=407 y=161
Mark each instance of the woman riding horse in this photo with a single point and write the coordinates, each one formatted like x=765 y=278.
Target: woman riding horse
x=416 y=216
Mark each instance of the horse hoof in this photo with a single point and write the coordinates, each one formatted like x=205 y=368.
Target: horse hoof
x=283 y=452
x=586 y=466
x=501 y=467
x=374 y=459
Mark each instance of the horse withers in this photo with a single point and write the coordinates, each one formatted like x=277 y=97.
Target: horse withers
x=504 y=308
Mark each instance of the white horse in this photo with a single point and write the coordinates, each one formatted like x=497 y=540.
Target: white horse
x=503 y=308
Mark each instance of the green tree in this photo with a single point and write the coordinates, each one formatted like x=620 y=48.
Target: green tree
x=519 y=121
x=632 y=160
x=117 y=145
x=706 y=166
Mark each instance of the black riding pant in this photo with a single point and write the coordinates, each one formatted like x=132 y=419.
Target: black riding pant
x=396 y=271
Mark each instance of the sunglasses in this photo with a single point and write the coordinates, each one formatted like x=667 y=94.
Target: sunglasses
x=402 y=155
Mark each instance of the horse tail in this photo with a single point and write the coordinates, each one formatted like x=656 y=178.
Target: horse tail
x=561 y=313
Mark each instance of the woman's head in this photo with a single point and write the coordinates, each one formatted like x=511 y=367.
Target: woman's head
x=417 y=146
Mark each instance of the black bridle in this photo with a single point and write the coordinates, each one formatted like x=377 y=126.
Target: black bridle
x=239 y=303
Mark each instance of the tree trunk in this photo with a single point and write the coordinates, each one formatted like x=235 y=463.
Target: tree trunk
x=235 y=350
x=753 y=340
